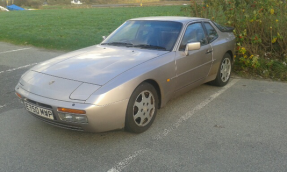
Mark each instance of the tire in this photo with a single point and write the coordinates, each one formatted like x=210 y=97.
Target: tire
x=142 y=108
x=224 y=71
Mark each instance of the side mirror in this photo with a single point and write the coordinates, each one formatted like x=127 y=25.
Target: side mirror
x=104 y=37
x=192 y=46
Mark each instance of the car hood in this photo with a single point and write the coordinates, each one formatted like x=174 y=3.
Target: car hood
x=97 y=64
x=55 y=87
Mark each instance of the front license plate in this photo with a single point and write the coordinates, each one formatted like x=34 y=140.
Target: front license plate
x=39 y=110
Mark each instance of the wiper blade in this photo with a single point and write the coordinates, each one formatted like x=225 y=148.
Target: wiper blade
x=118 y=43
x=148 y=46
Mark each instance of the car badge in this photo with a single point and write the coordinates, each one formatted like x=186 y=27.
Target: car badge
x=52 y=82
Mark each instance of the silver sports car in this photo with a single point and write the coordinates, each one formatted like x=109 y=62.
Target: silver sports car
x=122 y=82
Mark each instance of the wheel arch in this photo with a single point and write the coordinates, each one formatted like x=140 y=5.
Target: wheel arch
x=157 y=88
x=231 y=55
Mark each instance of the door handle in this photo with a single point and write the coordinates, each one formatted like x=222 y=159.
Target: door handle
x=208 y=51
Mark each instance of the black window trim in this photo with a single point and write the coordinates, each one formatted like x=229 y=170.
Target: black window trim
x=207 y=32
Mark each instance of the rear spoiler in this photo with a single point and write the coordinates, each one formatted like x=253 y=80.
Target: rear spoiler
x=223 y=28
x=228 y=29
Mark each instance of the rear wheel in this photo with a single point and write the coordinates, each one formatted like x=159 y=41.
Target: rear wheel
x=224 y=71
x=142 y=108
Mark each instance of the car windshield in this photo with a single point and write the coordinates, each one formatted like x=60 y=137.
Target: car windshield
x=160 y=35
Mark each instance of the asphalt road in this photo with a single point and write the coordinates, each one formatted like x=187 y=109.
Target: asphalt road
x=240 y=127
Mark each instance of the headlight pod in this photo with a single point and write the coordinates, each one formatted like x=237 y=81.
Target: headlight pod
x=84 y=91
x=72 y=115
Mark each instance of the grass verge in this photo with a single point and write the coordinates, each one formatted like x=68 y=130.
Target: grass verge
x=70 y=29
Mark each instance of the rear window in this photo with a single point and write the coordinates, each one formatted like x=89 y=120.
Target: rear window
x=223 y=28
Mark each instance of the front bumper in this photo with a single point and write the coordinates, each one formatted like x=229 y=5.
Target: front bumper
x=100 y=118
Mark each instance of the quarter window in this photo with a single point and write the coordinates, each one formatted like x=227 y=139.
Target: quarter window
x=193 y=33
x=211 y=32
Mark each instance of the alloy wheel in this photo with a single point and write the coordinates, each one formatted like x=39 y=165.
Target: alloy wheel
x=225 y=69
x=144 y=108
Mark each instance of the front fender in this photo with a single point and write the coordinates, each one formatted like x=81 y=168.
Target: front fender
x=120 y=88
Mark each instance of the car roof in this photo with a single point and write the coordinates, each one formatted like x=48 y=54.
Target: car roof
x=172 y=18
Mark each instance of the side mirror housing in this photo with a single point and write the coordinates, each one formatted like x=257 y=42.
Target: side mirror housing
x=104 y=37
x=192 y=46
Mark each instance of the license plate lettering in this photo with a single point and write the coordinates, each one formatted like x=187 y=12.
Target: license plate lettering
x=39 y=110
x=43 y=112
x=35 y=109
x=28 y=107
x=50 y=114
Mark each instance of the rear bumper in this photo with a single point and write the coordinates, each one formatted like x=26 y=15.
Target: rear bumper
x=100 y=118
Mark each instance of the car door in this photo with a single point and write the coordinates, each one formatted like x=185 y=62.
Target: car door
x=196 y=65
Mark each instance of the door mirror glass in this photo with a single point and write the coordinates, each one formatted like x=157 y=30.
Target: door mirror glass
x=192 y=46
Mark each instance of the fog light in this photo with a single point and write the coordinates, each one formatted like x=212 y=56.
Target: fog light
x=66 y=117
x=73 y=118
x=81 y=119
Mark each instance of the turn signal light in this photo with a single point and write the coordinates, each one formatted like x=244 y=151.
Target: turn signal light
x=71 y=110
x=18 y=95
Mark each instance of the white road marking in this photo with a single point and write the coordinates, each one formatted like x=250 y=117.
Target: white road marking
x=14 y=50
x=194 y=110
x=21 y=67
x=121 y=165
x=2 y=106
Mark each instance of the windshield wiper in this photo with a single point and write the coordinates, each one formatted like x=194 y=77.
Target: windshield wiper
x=118 y=43
x=148 y=46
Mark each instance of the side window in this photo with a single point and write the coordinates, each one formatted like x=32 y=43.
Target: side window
x=193 y=33
x=212 y=34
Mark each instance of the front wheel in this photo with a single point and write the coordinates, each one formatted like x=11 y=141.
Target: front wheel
x=142 y=108
x=224 y=71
